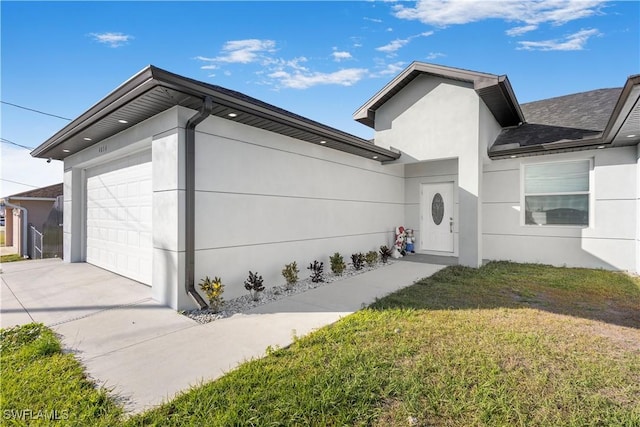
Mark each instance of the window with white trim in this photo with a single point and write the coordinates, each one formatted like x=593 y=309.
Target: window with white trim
x=557 y=193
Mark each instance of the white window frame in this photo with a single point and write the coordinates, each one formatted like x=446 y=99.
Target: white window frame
x=589 y=193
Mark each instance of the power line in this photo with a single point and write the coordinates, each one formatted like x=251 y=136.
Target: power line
x=6 y=141
x=16 y=182
x=36 y=111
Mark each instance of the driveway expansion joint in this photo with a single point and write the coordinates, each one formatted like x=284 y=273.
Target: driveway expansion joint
x=115 y=307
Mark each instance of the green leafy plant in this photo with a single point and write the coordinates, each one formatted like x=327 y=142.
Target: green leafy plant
x=213 y=289
x=254 y=285
x=290 y=273
x=372 y=258
x=385 y=253
x=337 y=263
x=357 y=260
x=316 y=271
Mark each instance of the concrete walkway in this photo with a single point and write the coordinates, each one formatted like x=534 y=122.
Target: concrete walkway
x=147 y=352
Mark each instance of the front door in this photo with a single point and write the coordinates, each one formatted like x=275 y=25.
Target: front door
x=436 y=229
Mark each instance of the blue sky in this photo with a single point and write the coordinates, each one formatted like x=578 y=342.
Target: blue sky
x=321 y=60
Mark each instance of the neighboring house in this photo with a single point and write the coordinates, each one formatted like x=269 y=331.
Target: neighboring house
x=35 y=205
x=169 y=179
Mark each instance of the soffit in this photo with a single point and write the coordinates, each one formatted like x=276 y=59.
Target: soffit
x=154 y=90
x=625 y=127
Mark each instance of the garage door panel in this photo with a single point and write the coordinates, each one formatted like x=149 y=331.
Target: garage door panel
x=119 y=214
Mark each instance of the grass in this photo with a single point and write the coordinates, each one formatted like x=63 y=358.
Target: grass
x=43 y=386
x=504 y=345
x=12 y=258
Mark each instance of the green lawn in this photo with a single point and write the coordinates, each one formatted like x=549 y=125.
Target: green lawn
x=505 y=345
x=43 y=386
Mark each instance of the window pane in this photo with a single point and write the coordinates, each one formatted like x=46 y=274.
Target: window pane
x=558 y=210
x=556 y=177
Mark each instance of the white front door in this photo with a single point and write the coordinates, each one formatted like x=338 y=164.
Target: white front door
x=436 y=228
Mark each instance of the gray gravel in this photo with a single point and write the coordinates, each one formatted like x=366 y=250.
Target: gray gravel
x=245 y=302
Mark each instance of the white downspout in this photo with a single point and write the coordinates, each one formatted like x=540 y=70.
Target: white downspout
x=25 y=227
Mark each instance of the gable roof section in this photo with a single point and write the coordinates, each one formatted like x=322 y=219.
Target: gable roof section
x=495 y=91
x=48 y=192
x=154 y=90
x=570 y=117
x=574 y=122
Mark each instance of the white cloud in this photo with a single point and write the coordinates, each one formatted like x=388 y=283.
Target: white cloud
x=245 y=51
x=435 y=55
x=281 y=64
x=239 y=52
x=389 y=69
x=280 y=72
x=340 y=56
x=574 y=41
x=393 y=46
x=442 y=13
x=302 y=80
x=396 y=44
x=112 y=39
x=518 y=31
x=376 y=20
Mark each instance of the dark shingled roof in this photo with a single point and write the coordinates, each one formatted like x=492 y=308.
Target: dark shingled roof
x=569 y=117
x=51 y=192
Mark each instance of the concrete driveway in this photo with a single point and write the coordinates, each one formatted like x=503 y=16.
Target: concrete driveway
x=147 y=353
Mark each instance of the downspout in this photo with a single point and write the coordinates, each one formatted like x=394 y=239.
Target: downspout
x=190 y=197
x=25 y=227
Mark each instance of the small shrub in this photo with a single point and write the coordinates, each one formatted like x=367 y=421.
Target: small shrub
x=290 y=273
x=316 y=271
x=372 y=258
x=385 y=253
x=254 y=285
x=357 y=260
x=213 y=289
x=337 y=263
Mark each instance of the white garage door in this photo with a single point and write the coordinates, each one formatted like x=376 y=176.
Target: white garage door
x=119 y=217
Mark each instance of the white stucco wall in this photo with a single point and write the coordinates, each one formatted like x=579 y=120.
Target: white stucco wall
x=434 y=119
x=264 y=200
x=610 y=242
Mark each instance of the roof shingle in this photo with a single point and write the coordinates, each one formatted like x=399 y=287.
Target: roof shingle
x=570 y=117
x=51 y=192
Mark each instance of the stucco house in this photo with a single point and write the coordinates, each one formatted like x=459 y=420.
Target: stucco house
x=28 y=207
x=168 y=179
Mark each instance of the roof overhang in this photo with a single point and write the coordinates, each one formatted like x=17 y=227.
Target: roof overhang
x=623 y=129
x=154 y=90
x=494 y=90
x=31 y=199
